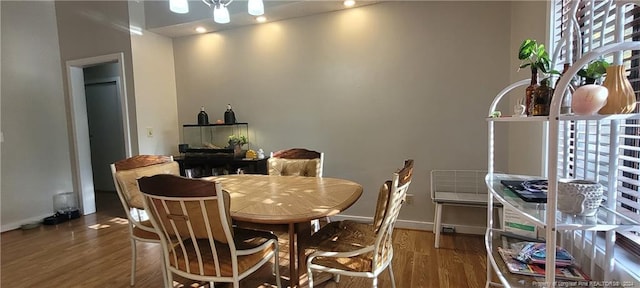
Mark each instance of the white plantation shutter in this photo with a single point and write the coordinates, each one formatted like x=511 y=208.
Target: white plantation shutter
x=588 y=160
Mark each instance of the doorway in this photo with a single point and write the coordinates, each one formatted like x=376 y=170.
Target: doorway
x=105 y=137
x=85 y=107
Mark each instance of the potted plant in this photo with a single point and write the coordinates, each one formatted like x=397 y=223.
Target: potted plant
x=594 y=71
x=535 y=56
x=236 y=142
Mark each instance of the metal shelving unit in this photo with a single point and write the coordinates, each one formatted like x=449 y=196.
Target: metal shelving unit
x=546 y=216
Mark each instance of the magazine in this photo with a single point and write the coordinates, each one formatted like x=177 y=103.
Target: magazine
x=535 y=253
x=517 y=267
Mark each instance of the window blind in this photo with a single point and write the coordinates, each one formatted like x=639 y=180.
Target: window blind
x=586 y=159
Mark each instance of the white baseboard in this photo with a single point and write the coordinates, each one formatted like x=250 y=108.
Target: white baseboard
x=417 y=225
x=16 y=225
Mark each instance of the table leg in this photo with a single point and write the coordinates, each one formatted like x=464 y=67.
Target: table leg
x=293 y=271
x=303 y=233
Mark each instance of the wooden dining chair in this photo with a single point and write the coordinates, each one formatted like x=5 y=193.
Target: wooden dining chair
x=125 y=175
x=193 y=220
x=297 y=162
x=361 y=249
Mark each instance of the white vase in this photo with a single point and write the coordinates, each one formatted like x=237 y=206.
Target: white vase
x=579 y=197
x=588 y=99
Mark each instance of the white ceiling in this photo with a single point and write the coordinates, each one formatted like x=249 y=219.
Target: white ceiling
x=162 y=21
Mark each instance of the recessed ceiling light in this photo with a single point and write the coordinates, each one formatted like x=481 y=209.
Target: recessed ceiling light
x=349 y=3
x=201 y=29
x=261 y=19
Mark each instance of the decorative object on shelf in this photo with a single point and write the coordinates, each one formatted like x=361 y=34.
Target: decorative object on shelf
x=622 y=99
x=565 y=107
x=594 y=71
x=495 y=114
x=535 y=56
x=529 y=91
x=236 y=142
x=542 y=99
x=251 y=154
x=203 y=118
x=520 y=110
x=260 y=153
x=220 y=11
x=579 y=197
x=229 y=115
x=588 y=99
x=219 y=121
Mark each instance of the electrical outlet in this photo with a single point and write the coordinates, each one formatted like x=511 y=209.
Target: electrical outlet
x=448 y=229
x=149 y=132
x=409 y=199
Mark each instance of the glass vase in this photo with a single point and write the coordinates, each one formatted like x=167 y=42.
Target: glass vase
x=542 y=99
x=530 y=90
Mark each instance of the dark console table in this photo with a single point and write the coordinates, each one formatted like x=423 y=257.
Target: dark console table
x=210 y=165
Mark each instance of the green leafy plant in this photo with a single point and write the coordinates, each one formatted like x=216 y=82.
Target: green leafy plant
x=594 y=70
x=237 y=140
x=535 y=55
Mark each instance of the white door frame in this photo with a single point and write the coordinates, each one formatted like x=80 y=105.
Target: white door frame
x=81 y=149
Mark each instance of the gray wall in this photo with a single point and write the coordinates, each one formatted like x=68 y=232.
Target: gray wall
x=35 y=151
x=345 y=81
x=525 y=147
x=93 y=28
x=155 y=87
x=370 y=87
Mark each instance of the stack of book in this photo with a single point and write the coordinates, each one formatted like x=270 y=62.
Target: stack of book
x=528 y=258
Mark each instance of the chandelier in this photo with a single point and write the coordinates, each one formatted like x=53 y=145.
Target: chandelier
x=220 y=11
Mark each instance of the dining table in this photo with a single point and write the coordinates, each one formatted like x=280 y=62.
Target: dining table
x=272 y=202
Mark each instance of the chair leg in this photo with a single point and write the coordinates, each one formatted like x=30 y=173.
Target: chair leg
x=276 y=265
x=438 y=224
x=375 y=282
x=164 y=270
x=393 y=280
x=169 y=283
x=309 y=273
x=133 y=262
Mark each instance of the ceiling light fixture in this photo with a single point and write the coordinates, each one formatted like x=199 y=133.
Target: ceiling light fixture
x=179 y=6
x=220 y=11
x=261 y=19
x=255 y=7
x=349 y=3
x=201 y=29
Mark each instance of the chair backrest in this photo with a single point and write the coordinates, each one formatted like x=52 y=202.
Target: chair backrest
x=397 y=191
x=126 y=173
x=382 y=205
x=192 y=218
x=296 y=162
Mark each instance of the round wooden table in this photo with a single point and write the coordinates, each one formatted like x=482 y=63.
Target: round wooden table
x=288 y=200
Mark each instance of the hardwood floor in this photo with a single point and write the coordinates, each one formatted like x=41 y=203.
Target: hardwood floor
x=94 y=251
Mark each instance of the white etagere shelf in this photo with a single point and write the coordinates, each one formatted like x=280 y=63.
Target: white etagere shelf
x=566 y=117
x=545 y=215
x=604 y=220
